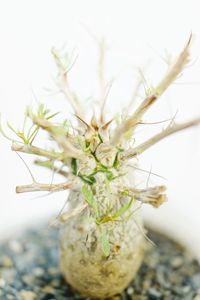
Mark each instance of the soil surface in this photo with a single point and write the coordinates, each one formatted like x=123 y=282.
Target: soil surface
x=29 y=270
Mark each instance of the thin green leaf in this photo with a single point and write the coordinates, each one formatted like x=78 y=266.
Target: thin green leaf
x=22 y=137
x=124 y=208
x=4 y=134
x=52 y=116
x=105 y=242
x=18 y=133
x=74 y=166
x=33 y=135
x=88 y=179
x=116 y=161
x=107 y=185
x=100 y=138
x=89 y=198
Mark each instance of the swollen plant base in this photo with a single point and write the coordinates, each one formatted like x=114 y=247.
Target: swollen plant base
x=84 y=265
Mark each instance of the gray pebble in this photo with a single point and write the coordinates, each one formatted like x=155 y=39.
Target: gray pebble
x=195 y=280
x=15 y=246
x=177 y=262
x=154 y=294
x=2 y=283
x=27 y=295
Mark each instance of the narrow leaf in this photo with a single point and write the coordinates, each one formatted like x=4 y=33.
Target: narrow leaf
x=105 y=242
x=123 y=209
x=89 y=198
x=74 y=166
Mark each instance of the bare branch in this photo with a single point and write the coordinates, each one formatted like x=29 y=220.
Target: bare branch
x=63 y=83
x=38 y=187
x=158 y=137
x=107 y=89
x=172 y=74
x=101 y=65
x=38 y=151
x=58 y=136
x=153 y=195
x=136 y=89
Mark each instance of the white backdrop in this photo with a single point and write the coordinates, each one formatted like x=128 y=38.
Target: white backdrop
x=137 y=32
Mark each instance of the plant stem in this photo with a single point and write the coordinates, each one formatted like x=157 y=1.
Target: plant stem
x=36 y=187
x=172 y=74
x=158 y=137
x=38 y=151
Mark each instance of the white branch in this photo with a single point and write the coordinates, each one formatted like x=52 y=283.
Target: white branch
x=37 y=187
x=61 y=139
x=153 y=195
x=158 y=137
x=172 y=74
x=38 y=151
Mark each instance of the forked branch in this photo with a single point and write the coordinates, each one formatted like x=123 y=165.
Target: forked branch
x=172 y=74
x=58 y=135
x=63 y=84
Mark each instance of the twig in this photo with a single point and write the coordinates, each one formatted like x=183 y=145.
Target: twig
x=64 y=84
x=153 y=195
x=38 y=151
x=101 y=65
x=172 y=74
x=61 y=139
x=37 y=187
x=158 y=137
x=104 y=99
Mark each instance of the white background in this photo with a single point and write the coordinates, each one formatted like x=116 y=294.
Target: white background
x=137 y=32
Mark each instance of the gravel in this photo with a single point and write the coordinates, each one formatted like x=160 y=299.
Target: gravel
x=29 y=270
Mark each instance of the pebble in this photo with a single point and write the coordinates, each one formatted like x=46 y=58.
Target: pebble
x=29 y=271
x=27 y=295
x=2 y=283
x=6 y=261
x=28 y=279
x=130 y=291
x=195 y=280
x=154 y=294
x=176 y=262
x=10 y=297
x=48 y=289
x=15 y=246
x=38 y=272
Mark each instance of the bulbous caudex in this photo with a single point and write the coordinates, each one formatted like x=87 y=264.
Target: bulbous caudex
x=88 y=268
x=102 y=236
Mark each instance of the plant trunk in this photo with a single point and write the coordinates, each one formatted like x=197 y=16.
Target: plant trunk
x=83 y=263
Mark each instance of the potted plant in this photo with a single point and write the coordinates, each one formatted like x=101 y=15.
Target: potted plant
x=102 y=238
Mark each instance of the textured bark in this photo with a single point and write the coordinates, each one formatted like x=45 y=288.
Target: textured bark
x=82 y=261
